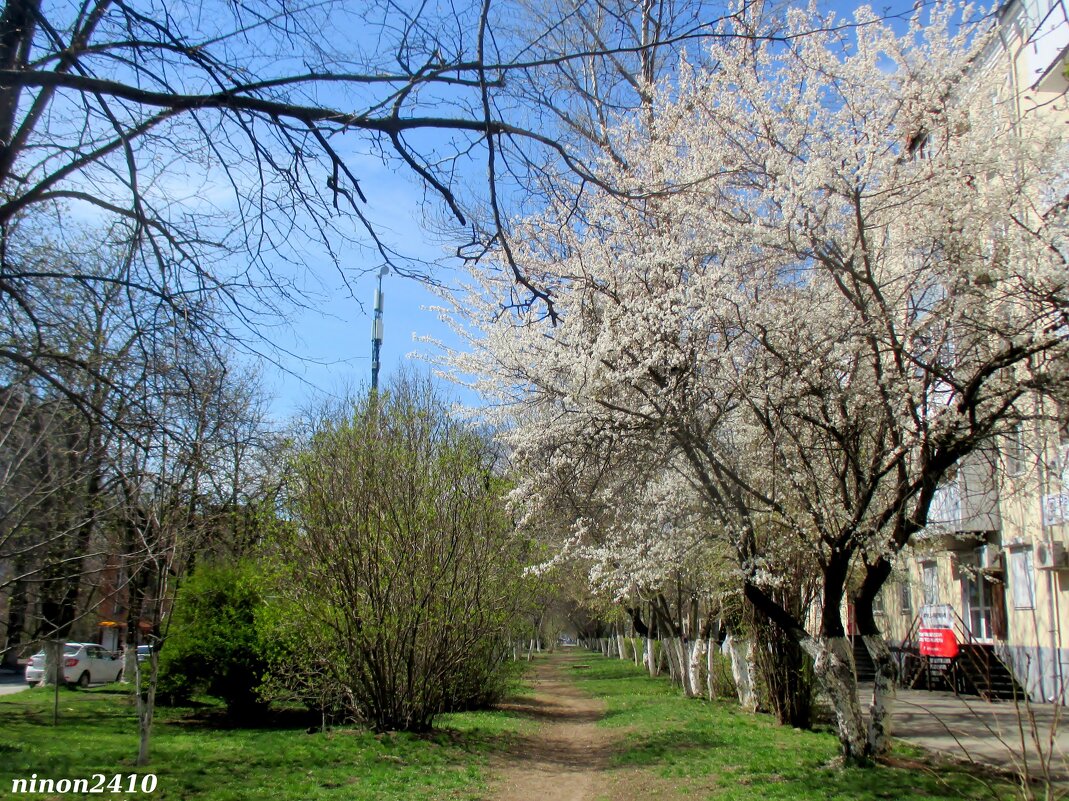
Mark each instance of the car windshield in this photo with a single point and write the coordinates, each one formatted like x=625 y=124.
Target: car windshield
x=70 y=648
x=144 y=649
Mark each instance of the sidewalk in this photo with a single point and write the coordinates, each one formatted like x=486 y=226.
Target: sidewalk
x=11 y=682
x=971 y=729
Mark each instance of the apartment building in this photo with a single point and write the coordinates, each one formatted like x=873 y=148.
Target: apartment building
x=993 y=566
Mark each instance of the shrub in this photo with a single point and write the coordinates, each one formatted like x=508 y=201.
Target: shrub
x=399 y=562
x=213 y=645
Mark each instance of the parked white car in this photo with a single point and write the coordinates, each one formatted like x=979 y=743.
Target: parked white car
x=83 y=663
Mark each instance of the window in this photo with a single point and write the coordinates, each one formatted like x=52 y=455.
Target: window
x=877 y=603
x=919 y=146
x=905 y=598
x=1022 y=578
x=930 y=579
x=1015 y=456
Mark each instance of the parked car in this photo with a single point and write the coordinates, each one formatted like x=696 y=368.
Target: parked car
x=83 y=663
x=143 y=652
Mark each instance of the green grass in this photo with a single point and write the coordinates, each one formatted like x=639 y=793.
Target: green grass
x=690 y=748
x=197 y=760
x=727 y=755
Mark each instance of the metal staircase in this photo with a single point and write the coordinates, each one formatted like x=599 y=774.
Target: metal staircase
x=976 y=670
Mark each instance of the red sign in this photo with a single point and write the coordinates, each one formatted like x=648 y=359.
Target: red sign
x=938 y=642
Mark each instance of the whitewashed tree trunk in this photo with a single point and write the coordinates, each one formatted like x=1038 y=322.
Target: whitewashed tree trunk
x=833 y=664
x=742 y=668
x=636 y=650
x=651 y=656
x=681 y=649
x=620 y=646
x=694 y=666
x=53 y=670
x=668 y=650
x=884 y=695
x=129 y=667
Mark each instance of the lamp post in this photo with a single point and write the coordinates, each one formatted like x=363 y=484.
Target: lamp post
x=376 y=333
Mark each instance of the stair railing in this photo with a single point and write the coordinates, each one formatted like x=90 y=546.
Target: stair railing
x=983 y=666
x=909 y=649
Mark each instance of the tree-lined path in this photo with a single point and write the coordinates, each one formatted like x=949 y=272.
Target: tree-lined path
x=566 y=757
x=603 y=729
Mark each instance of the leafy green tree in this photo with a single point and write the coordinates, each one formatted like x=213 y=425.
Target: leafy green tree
x=214 y=645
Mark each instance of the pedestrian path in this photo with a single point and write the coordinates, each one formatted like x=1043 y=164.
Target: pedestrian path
x=566 y=760
x=998 y=734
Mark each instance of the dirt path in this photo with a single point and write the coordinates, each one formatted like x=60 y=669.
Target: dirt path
x=567 y=757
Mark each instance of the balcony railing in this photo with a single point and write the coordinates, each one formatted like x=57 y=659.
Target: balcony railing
x=1055 y=508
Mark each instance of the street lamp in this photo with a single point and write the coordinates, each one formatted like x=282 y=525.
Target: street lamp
x=376 y=333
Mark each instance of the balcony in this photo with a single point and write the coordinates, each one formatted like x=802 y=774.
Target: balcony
x=1055 y=508
x=968 y=503
x=1055 y=498
x=1038 y=35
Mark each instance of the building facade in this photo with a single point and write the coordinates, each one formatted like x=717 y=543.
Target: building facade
x=995 y=560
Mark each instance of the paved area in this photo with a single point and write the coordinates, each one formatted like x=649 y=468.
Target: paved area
x=1000 y=734
x=11 y=682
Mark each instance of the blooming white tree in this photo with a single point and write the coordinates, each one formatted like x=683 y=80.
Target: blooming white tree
x=839 y=273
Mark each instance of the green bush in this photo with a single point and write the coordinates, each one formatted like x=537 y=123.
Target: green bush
x=213 y=645
x=398 y=575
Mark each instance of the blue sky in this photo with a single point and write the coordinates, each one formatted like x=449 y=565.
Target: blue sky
x=331 y=339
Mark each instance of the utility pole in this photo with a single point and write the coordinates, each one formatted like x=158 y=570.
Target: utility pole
x=376 y=334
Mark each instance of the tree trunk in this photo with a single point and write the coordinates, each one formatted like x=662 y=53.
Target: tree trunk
x=146 y=706
x=651 y=657
x=881 y=710
x=16 y=619
x=53 y=673
x=710 y=668
x=833 y=658
x=694 y=666
x=742 y=669
x=833 y=663
x=668 y=650
x=682 y=654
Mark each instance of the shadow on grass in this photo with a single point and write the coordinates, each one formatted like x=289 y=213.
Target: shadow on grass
x=648 y=750
x=607 y=672
x=539 y=709
x=209 y=717
x=109 y=689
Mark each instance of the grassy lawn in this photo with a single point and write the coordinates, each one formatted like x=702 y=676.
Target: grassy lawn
x=714 y=751
x=195 y=760
x=665 y=747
